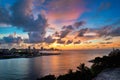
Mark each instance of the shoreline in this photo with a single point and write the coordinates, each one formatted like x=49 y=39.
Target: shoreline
x=110 y=61
x=27 y=56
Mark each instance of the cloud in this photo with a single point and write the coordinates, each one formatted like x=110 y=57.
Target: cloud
x=66 y=30
x=2 y=25
x=104 y=31
x=1 y=41
x=109 y=38
x=56 y=34
x=35 y=37
x=79 y=24
x=4 y=16
x=49 y=40
x=77 y=42
x=69 y=27
x=12 y=39
x=90 y=34
x=39 y=2
x=65 y=9
x=21 y=16
x=59 y=41
x=115 y=32
x=69 y=41
x=81 y=32
x=64 y=33
x=87 y=42
x=109 y=31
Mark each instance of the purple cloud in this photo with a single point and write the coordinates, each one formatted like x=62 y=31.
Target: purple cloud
x=64 y=33
x=81 y=32
x=49 y=40
x=79 y=24
x=69 y=27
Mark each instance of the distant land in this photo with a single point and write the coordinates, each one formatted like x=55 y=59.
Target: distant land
x=27 y=53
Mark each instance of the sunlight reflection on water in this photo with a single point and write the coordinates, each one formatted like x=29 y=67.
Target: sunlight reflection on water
x=31 y=68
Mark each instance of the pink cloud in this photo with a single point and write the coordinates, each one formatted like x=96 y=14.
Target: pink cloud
x=64 y=10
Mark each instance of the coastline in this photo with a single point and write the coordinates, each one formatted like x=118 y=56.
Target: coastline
x=111 y=61
x=27 y=55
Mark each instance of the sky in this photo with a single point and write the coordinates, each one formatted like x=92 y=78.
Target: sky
x=61 y=24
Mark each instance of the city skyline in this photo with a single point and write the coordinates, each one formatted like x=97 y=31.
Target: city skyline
x=61 y=24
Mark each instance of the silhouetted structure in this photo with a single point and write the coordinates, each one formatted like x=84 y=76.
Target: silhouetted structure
x=24 y=53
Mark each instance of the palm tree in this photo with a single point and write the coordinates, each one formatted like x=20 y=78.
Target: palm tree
x=85 y=72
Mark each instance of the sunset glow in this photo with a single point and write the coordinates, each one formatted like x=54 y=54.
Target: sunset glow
x=61 y=24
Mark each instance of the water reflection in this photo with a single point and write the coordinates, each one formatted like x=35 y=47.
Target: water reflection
x=9 y=69
x=31 y=68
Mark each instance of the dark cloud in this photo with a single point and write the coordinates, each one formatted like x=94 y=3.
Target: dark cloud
x=38 y=3
x=12 y=39
x=104 y=31
x=60 y=41
x=4 y=16
x=21 y=16
x=79 y=24
x=69 y=41
x=115 y=32
x=77 y=42
x=35 y=37
x=66 y=30
x=24 y=18
x=81 y=32
x=2 y=41
x=49 y=40
x=109 y=31
x=69 y=27
x=64 y=33
x=56 y=34
x=26 y=40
